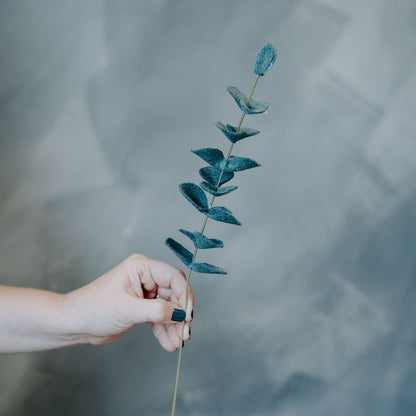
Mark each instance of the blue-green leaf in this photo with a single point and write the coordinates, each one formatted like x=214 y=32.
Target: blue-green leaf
x=212 y=175
x=264 y=59
x=215 y=191
x=237 y=164
x=207 y=268
x=195 y=195
x=231 y=132
x=186 y=257
x=254 y=107
x=222 y=214
x=212 y=156
x=201 y=241
x=216 y=159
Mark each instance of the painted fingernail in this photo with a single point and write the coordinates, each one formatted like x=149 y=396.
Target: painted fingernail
x=192 y=314
x=183 y=344
x=178 y=315
x=189 y=331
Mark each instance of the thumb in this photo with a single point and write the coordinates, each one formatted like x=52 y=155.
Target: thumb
x=156 y=311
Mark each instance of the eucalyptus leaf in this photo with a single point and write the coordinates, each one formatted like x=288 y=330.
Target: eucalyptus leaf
x=212 y=175
x=254 y=107
x=212 y=156
x=186 y=258
x=231 y=134
x=195 y=195
x=201 y=241
x=237 y=164
x=222 y=214
x=216 y=191
x=264 y=59
x=207 y=268
x=184 y=255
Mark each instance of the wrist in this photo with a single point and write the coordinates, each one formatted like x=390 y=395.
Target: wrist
x=74 y=324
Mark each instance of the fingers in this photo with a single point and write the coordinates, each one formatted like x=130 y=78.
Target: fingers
x=169 y=335
x=159 y=314
x=153 y=310
x=169 y=281
x=162 y=336
x=166 y=313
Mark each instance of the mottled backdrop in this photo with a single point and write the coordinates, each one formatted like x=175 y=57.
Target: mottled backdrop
x=100 y=102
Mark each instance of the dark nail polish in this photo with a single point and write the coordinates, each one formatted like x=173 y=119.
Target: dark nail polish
x=183 y=344
x=189 y=331
x=192 y=314
x=178 y=315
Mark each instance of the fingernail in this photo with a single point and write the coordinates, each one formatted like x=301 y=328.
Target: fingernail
x=189 y=331
x=192 y=314
x=183 y=344
x=178 y=315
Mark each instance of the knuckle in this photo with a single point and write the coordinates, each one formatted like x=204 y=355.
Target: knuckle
x=136 y=257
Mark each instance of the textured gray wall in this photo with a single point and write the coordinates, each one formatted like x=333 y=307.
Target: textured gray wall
x=100 y=102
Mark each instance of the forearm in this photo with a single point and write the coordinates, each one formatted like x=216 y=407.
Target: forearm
x=34 y=320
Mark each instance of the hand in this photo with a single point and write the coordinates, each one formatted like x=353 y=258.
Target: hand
x=137 y=290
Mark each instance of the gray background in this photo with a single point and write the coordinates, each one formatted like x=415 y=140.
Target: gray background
x=100 y=102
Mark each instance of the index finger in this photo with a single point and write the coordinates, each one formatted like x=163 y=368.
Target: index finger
x=166 y=276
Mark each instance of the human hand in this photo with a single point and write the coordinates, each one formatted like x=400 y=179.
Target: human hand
x=137 y=290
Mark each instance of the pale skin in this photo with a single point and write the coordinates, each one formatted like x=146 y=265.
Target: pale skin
x=138 y=290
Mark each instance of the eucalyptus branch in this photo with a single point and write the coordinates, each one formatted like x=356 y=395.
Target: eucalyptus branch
x=220 y=171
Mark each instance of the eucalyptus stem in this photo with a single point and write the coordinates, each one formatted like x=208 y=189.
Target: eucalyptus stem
x=188 y=277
